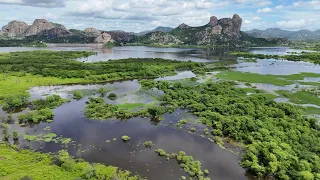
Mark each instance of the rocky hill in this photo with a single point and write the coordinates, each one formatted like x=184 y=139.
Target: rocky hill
x=225 y=31
x=43 y=30
x=279 y=33
x=217 y=32
x=158 y=29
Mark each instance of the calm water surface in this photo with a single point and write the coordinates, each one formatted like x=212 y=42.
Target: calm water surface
x=69 y=121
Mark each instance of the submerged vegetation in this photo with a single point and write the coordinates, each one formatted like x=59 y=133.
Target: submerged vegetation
x=191 y=166
x=313 y=57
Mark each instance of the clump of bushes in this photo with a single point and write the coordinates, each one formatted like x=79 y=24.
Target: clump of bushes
x=36 y=116
x=50 y=102
x=16 y=101
x=77 y=95
x=112 y=96
x=191 y=166
x=126 y=138
x=103 y=91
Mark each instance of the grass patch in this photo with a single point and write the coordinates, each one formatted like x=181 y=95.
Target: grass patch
x=299 y=76
x=301 y=97
x=27 y=164
x=311 y=110
x=253 y=78
x=14 y=85
x=131 y=105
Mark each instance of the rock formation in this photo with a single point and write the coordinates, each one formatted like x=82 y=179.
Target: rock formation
x=55 y=33
x=103 y=38
x=121 y=36
x=213 y=21
x=231 y=27
x=163 y=38
x=14 y=28
x=38 y=26
x=93 y=31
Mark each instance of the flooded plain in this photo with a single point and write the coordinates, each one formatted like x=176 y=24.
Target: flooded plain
x=100 y=141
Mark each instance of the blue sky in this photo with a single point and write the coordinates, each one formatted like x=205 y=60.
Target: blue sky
x=139 y=15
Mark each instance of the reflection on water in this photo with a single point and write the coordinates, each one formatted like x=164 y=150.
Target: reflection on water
x=92 y=135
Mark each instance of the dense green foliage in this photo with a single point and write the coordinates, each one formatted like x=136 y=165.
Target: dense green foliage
x=77 y=95
x=50 y=102
x=37 y=116
x=191 y=166
x=98 y=109
x=21 y=42
x=304 y=56
x=17 y=164
x=281 y=141
x=63 y=65
x=15 y=101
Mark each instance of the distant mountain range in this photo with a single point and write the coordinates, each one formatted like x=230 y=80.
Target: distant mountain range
x=217 y=32
x=291 y=35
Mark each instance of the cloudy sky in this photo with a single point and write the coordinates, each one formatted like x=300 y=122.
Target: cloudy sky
x=139 y=15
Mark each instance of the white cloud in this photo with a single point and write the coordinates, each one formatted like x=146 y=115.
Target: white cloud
x=314 y=4
x=259 y=3
x=35 y=3
x=293 y=24
x=280 y=7
x=255 y=18
x=247 y=21
x=264 y=10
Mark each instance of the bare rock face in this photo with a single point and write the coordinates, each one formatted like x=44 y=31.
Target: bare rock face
x=213 y=21
x=103 y=38
x=38 y=26
x=121 y=36
x=231 y=27
x=164 y=38
x=14 y=28
x=93 y=31
x=55 y=32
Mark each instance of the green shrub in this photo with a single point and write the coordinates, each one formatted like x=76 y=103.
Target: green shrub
x=112 y=96
x=148 y=144
x=125 y=138
x=77 y=95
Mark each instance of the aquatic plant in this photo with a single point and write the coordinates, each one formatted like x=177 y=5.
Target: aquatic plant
x=36 y=116
x=102 y=91
x=148 y=144
x=15 y=101
x=77 y=95
x=191 y=166
x=125 y=138
x=50 y=102
x=15 y=135
x=112 y=96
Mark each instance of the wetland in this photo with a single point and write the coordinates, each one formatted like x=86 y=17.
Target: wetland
x=213 y=114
